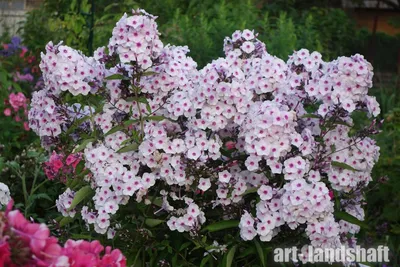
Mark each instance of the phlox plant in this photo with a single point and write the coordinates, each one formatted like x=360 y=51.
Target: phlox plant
x=250 y=147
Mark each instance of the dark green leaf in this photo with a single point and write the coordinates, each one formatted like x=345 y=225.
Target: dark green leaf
x=155 y=118
x=343 y=166
x=81 y=236
x=185 y=245
x=40 y=196
x=128 y=148
x=116 y=77
x=149 y=73
x=83 y=145
x=205 y=260
x=80 y=166
x=130 y=122
x=333 y=148
x=350 y=218
x=114 y=130
x=342 y=123
x=142 y=100
x=153 y=222
x=218 y=226
x=230 y=256
x=83 y=193
x=66 y=220
x=260 y=252
x=310 y=115
x=76 y=124
x=248 y=251
x=250 y=191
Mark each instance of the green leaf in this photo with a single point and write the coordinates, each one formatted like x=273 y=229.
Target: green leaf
x=142 y=100
x=149 y=73
x=153 y=222
x=116 y=77
x=83 y=145
x=114 y=130
x=128 y=148
x=333 y=148
x=343 y=166
x=80 y=166
x=185 y=245
x=83 y=193
x=342 y=123
x=230 y=256
x=218 y=226
x=130 y=122
x=66 y=220
x=205 y=260
x=111 y=6
x=40 y=196
x=248 y=251
x=310 y=115
x=158 y=202
x=250 y=191
x=81 y=236
x=350 y=218
x=260 y=252
x=155 y=118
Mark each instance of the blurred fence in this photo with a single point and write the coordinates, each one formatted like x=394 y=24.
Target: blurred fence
x=12 y=13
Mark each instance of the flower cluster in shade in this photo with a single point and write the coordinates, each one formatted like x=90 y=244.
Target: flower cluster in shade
x=16 y=106
x=222 y=137
x=13 y=47
x=23 y=243
x=18 y=57
x=22 y=77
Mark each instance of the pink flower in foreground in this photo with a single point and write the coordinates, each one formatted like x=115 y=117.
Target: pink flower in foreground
x=84 y=253
x=33 y=246
x=5 y=254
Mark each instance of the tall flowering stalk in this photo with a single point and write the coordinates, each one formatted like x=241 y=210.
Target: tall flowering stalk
x=270 y=145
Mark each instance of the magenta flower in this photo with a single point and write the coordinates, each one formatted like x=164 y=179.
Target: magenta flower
x=34 y=246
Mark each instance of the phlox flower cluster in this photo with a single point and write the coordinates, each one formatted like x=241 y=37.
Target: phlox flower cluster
x=59 y=166
x=23 y=243
x=17 y=106
x=262 y=141
x=136 y=38
x=63 y=203
x=64 y=69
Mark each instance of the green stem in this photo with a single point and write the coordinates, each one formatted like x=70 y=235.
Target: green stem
x=137 y=257
x=35 y=176
x=25 y=194
x=37 y=187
